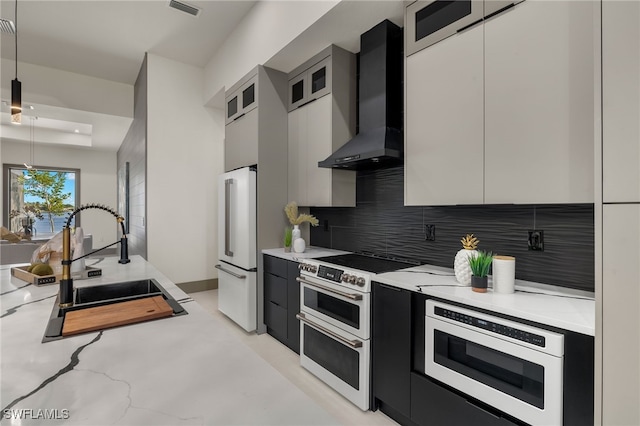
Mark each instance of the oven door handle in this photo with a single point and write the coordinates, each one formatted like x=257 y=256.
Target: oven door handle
x=353 y=343
x=330 y=290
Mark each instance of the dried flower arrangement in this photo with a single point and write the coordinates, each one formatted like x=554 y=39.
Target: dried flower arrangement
x=291 y=210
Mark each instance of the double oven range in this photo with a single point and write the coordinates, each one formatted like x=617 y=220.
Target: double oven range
x=335 y=320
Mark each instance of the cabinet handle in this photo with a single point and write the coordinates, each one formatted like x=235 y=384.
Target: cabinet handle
x=239 y=117
x=307 y=103
x=242 y=277
x=482 y=409
x=503 y=9
x=352 y=343
x=330 y=290
x=389 y=287
x=466 y=27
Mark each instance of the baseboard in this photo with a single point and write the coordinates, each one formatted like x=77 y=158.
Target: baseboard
x=196 y=286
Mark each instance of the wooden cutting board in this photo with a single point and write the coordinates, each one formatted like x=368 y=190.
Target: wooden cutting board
x=116 y=314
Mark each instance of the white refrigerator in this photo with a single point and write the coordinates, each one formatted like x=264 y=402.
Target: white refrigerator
x=237 y=284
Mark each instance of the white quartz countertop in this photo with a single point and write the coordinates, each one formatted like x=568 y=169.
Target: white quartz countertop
x=183 y=370
x=554 y=306
x=309 y=253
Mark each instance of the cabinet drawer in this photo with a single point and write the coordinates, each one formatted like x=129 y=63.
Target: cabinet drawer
x=275 y=317
x=275 y=290
x=432 y=404
x=275 y=266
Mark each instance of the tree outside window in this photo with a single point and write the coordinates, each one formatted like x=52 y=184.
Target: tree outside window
x=41 y=199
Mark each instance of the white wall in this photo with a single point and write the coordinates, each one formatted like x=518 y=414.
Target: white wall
x=98 y=181
x=184 y=158
x=49 y=86
x=268 y=27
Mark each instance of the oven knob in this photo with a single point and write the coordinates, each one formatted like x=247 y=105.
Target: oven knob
x=302 y=267
x=360 y=281
x=352 y=279
x=313 y=268
x=345 y=278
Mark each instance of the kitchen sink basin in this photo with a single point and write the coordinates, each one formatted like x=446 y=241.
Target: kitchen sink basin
x=107 y=294
x=118 y=291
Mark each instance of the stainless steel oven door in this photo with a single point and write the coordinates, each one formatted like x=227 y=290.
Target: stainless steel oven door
x=349 y=310
x=338 y=359
x=512 y=377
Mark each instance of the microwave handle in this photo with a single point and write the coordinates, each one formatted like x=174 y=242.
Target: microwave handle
x=353 y=343
x=330 y=290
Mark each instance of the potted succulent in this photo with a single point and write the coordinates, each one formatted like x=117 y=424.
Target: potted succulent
x=480 y=264
x=287 y=239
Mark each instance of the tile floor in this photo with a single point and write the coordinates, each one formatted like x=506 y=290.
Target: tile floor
x=287 y=363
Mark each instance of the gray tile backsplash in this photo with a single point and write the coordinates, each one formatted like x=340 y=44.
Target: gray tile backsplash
x=381 y=224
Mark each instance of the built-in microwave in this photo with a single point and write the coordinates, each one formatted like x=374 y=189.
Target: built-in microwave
x=512 y=367
x=429 y=21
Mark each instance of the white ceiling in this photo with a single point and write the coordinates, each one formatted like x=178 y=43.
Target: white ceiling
x=107 y=39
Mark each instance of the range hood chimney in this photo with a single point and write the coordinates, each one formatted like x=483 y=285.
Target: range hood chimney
x=380 y=141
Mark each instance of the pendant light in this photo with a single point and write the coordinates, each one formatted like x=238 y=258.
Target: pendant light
x=16 y=85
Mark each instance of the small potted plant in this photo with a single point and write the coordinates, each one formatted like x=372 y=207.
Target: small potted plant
x=480 y=264
x=287 y=239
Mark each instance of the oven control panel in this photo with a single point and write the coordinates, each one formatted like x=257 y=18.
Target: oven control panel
x=492 y=326
x=344 y=277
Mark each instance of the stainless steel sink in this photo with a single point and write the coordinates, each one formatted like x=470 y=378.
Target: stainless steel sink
x=116 y=292
x=86 y=297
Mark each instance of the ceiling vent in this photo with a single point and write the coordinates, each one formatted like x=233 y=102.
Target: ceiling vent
x=7 y=26
x=183 y=7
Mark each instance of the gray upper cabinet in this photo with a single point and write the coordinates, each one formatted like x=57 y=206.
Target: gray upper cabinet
x=503 y=111
x=539 y=103
x=250 y=129
x=240 y=100
x=444 y=122
x=429 y=21
x=311 y=84
x=621 y=101
x=322 y=116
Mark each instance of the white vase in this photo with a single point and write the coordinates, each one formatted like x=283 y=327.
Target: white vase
x=299 y=245
x=295 y=233
x=461 y=266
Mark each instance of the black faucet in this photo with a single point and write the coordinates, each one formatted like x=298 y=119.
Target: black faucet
x=66 y=283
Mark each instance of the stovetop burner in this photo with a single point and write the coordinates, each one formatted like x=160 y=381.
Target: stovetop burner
x=367 y=262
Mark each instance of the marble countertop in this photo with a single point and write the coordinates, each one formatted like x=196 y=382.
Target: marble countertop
x=310 y=252
x=551 y=305
x=182 y=370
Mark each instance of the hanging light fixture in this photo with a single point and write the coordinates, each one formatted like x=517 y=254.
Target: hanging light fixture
x=16 y=85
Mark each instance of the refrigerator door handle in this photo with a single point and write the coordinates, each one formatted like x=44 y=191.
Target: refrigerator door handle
x=230 y=272
x=227 y=220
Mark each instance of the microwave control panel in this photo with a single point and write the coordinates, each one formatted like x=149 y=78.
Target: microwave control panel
x=494 y=327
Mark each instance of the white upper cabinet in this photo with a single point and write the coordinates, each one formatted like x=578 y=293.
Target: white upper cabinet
x=444 y=122
x=503 y=111
x=539 y=103
x=621 y=101
x=321 y=119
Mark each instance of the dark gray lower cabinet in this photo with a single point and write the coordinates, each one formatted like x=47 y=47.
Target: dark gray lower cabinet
x=282 y=300
x=433 y=404
x=391 y=359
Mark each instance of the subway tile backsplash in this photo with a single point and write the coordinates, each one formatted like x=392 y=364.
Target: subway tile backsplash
x=382 y=225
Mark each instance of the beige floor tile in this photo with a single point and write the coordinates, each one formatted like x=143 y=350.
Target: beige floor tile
x=287 y=363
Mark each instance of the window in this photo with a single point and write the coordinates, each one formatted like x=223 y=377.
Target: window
x=38 y=200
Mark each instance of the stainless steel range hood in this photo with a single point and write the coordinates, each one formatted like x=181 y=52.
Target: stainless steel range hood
x=380 y=141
